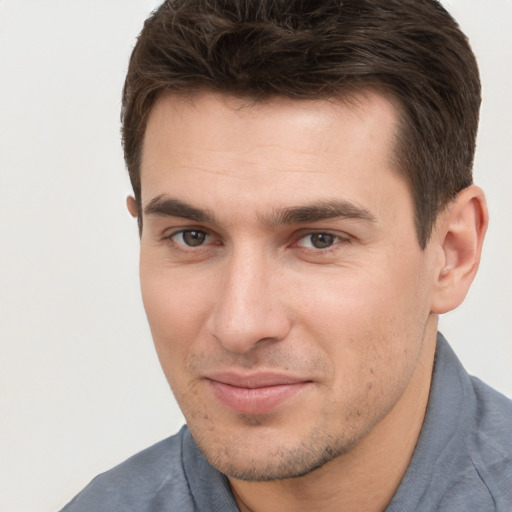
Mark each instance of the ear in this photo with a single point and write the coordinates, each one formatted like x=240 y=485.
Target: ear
x=460 y=232
x=131 y=204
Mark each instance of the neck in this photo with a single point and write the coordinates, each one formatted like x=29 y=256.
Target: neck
x=364 y=478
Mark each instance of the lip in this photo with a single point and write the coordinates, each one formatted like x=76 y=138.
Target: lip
x=258 y=393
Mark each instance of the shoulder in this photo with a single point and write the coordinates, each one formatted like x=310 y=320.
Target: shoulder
x=490 y=442
x=481 y=465
x=492 y=412
x=463 y=457
x=142 y=483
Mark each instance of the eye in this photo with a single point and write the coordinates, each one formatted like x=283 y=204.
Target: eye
x=319 y=240
x=190 y=237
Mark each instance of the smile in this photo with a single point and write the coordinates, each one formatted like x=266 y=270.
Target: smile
x=256 y=394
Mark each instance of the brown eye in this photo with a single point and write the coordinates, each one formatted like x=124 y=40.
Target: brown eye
x=322 y=240
x=193 y=238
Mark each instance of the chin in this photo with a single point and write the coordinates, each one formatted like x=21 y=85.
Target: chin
x=263 y=462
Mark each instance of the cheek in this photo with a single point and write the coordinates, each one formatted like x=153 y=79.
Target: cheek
x=176 y=305
x=381 y=292
x=368 y=322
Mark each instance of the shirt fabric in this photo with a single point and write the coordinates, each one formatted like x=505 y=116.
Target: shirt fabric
x=462 y=461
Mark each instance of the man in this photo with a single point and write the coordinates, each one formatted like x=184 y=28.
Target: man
x=302 y=183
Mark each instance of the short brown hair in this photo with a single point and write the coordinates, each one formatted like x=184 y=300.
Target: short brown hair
x=411 y=50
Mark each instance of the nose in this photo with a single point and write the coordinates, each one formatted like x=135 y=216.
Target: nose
x=248 y=310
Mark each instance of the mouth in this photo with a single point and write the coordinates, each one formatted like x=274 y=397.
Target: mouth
x=254 y=394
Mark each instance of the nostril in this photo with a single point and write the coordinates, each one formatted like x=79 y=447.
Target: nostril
x=249 y=335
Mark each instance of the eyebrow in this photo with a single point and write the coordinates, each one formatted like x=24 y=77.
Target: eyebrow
x=170 y=207
x=321 y=211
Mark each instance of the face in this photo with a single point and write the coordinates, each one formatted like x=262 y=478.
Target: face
x=287 y=295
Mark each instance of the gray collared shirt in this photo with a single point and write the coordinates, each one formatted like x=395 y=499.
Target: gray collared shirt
x=462 y=462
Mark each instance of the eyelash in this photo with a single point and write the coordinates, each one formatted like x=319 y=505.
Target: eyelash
x=171 y=238
x=338 y=240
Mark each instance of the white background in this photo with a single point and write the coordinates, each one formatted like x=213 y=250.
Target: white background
x=80 y=385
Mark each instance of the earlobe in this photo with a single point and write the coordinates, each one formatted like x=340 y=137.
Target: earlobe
x=461 y=232
x=131 y=204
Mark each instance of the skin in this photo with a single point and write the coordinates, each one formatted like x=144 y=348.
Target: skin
x=246 y=270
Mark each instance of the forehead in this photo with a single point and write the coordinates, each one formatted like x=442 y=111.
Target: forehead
x=210 y=146
x=204 y=120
